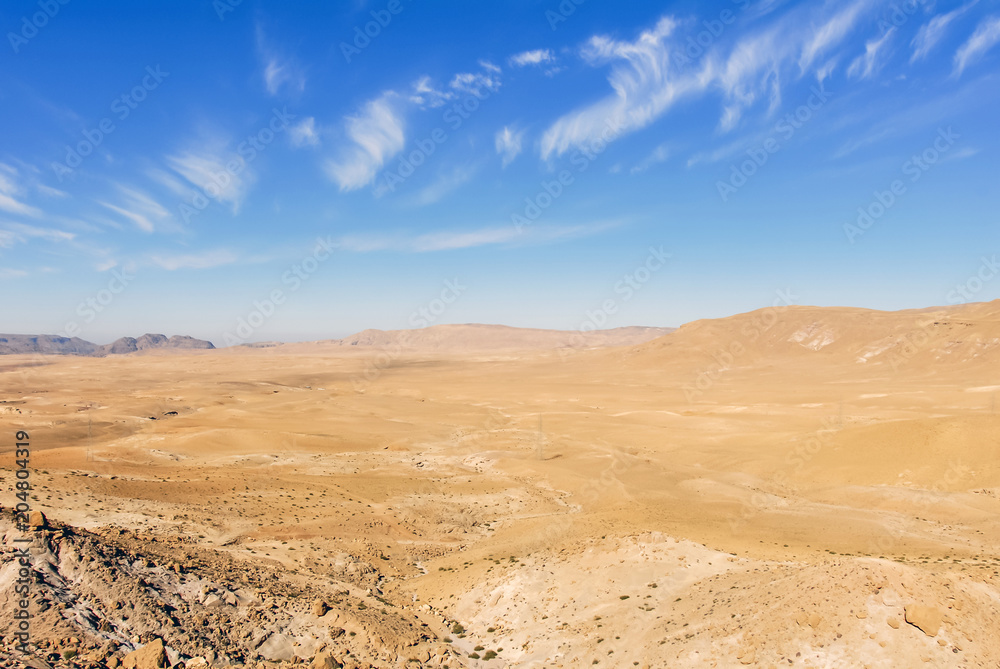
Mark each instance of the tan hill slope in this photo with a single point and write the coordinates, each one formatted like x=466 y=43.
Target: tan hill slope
x=475 y=337
x=959 y=335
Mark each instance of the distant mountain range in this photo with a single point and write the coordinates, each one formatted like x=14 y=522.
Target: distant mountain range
x=479 y=338
x=56 y=345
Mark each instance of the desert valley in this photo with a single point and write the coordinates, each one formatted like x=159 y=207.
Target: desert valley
x=795 y=486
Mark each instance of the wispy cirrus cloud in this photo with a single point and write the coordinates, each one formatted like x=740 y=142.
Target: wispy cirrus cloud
x=11 y=191
x=535 y=57
x=304 y=133
x=12 y=233
x=205 y=169
x=425 y=94
x=508 y=144
x=450 y=240
x=659 y=155
x=985 y=37
x=867 y=64
x=751 y=66
x=279 y=72
x=205 y=260
x=377 y=134
x=931 y=32
x=445 y=184
x=137 y=207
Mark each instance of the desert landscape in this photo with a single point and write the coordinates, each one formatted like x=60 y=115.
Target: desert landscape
x=794 y=486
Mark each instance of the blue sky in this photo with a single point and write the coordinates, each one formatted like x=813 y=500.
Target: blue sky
x=246 y=171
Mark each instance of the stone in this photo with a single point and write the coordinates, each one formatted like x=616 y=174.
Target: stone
x=320 y=608
x=151 y=656
x=325 y=660
x=277 y=648
x=37 y=520
x=893 y=623
x=925 y=618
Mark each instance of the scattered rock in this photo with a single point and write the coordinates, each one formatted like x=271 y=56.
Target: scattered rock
x=926 y=618
x=151 y=656
x=37 y=520
x=325 y=660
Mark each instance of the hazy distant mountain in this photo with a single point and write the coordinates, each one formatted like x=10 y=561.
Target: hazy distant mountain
x=476 y=337
x=56 y=345
x=46 y=344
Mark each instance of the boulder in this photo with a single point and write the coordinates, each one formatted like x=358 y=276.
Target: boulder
x=37 y=520
x=151 y=656
x=320 y=608
x=277 y=648
x=325 y=660
x=926 y=618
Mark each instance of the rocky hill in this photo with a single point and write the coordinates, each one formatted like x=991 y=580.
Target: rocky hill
x=57 y=345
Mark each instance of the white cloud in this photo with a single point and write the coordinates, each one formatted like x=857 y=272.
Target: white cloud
x=931 y=32
x=535 y=57
x=206 y=170
x=278 y=71
x=475 y=83
x=426 y=95
x=508 y=144
x=445 y=184
x=139 y=208
x=985 y=38
x=19 y=233
x=450 y=240
x=867 y=64
x=377 y=135
x=10 y=190
x=10 y=205
x=49 y=191
x=304 y=134
x=830 y=33
x=659 y=155
x=490 y=67
x=646 y=82
x=204 y=260
x=642 y=88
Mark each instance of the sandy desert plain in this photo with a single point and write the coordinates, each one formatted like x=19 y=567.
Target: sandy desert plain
x=795 y=486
